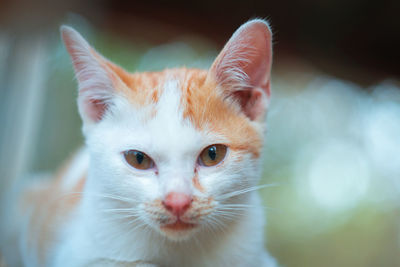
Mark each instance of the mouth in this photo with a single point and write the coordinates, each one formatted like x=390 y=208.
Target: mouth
x=178 y=226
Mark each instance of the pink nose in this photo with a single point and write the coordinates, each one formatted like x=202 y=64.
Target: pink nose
x=177 y=203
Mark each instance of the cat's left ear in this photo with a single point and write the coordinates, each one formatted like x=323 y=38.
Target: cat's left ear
x=242 y=69
x=98 y=78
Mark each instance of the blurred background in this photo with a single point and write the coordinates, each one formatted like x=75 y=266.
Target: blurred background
x=333 y=141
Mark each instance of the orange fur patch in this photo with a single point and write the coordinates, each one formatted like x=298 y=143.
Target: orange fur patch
x=50 y=206
x=202 y=100
x=197 y=184
x=206 y=107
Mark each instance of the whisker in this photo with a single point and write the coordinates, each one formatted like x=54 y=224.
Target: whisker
x=221 y=225
x=230 y=214
x=216 y=223
x=234 y=208
x=209 y=227
x=141 y=225
x=120 y=217
x=106 y=196
x=244 y=207
x=245 y=190
x=122 y=210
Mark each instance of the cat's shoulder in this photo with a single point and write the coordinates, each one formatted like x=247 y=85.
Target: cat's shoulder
x=50 y=201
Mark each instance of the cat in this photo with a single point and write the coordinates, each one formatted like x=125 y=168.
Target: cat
x=169 y=172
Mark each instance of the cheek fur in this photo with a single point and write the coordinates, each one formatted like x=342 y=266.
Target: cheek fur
x=238 y=172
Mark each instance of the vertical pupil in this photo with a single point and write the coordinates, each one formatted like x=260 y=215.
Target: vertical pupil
x=139 y=157
x=212 y=152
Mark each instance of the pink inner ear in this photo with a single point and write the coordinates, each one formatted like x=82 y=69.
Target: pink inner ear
x=256 y=43
x=95 y=109
x=252 y=102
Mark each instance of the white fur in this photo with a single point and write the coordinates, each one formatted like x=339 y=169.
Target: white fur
x=174 y=144
x=114 y=224
x=77 y=169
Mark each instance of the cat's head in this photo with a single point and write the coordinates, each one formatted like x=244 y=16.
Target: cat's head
x=175 y=150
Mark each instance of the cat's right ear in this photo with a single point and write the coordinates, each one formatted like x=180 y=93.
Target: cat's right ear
x=97 y=77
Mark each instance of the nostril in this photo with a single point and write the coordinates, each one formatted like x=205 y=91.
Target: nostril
x=177 y=203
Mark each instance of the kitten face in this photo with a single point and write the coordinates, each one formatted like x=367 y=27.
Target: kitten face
x=171 y=117
x=174 y=141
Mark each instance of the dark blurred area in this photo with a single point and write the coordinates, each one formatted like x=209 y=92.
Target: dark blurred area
x=355 y=40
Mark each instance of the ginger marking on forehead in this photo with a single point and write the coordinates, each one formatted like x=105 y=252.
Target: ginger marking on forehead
x=202 y=102
x=208 y=110
x=143 y=89
x=154 y=96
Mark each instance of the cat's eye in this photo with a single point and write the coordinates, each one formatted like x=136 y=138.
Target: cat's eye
x=138 y=160
x=212 y=155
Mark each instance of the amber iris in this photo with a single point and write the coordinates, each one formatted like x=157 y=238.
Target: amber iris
x=138 y=160
x=212 y=155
